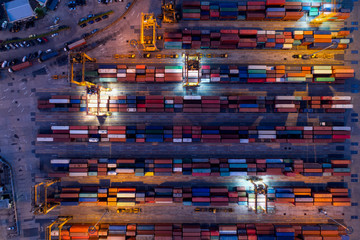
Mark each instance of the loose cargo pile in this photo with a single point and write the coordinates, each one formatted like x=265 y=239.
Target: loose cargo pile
x=189 y=134
x=197 y=167
x=253 y=38
x=199 y=104
x=240 y=231
x=200 y=196
x=257 y=10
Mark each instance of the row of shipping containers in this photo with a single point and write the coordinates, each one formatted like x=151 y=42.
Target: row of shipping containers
x=275 y=74
x=196 y=231
x=254 y=38
x=199 y=104
x=258 y=10
x=197 y=167
x=196 y=134
x=224 y=74
x=139 y=73
x=200 y=196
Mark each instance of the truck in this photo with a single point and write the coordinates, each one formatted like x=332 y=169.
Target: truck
x=20 y=66
x=46 y=56
x=74 y=45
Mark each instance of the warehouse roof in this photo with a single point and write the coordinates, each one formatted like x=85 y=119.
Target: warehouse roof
x=18 y=10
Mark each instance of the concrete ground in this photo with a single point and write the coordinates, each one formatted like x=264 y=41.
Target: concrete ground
x=20 y=92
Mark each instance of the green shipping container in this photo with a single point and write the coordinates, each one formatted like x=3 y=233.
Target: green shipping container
x=325 y=79
x=88 y=195
x=108 y=79
x=191 y=10
x=295 y=79
x=173 y=67
x=91 y=74
x=261 y=71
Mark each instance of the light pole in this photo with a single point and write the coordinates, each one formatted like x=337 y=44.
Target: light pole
x=92 y=229
x=349 y=230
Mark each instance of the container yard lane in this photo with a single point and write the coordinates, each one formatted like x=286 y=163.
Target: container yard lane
x=266 y=138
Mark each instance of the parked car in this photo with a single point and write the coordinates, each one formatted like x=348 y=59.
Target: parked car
x=97 y=19
x=56 y=21
x=54 y=34
x=94 y=31
x=45 y=39
x=128 y=5
x=24 y=59
x=4 y=24
x=83 y=25
x=4 y=64
x=91 y=22
x=105 y=17
x=90 y=16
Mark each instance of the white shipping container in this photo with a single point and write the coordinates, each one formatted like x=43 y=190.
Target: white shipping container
x=177 y=140
x=93 y=101
x=43 y=139
x=322 y=71
x=257 y=67
x=259 y=32
x=345 y=98
x=321 y=68
x=93 y=105
x=234 y=71
x=244 y=140
x=124 y=170
x=111 y=165
x=130 y=70
x=177 y=169
x=78 y=174
x=284 y=105
x=131 y=109
x=60 y=127
x=267 y=136
x=173 y=70
x=349 y=106
x=60 y=161
x=270 y=32
x=308 y=128
x=110 y=70
x=160 y=75
x=59 y=100
x=215 y=79
x=267 y=132
x=140 y=195
x=285 y=98
x=342 y=128
x=238 y=174
x=125 y=195
x=299 y=32
x=103 y=105
x=205 y=80
x=193 y=75
x=116 y=135
x=169 y=101
x=187 y=140
x=280 y=79
x=79 y=131
x=111 y=173
x=104 y=140
x=287 y=46
x=102 y=131
x=121 y=75
x=113 y=101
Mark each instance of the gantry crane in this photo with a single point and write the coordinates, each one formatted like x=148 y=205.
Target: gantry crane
x=59 y=223
x=260 y=190
x=192 y=70
x=93 y=90
x=40 y=204
x=325 y=16
x=148 y=32
x=168 y=11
